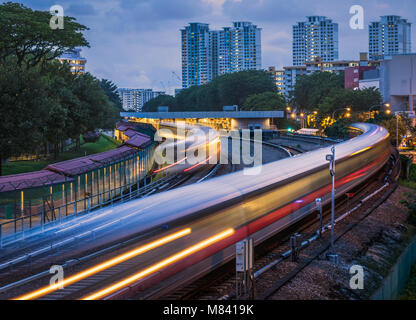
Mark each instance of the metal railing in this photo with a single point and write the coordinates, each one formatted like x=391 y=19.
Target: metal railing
x=34 y=203
x=18 y=228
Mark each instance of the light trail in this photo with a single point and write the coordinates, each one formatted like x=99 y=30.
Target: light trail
x=105 y=265
x=198 y=164
x=171 y=165
x=164 y=263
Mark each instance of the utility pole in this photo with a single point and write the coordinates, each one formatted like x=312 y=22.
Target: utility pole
x=332 y=256
x=397 y=130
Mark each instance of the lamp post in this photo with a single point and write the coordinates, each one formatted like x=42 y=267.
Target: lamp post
x=397 y=114
x=302 y=115
x=332 y=256
x=397 y=129
x=288 y=111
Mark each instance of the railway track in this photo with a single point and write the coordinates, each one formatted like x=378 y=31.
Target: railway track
x=220 y=284
x=118 y=271
x=39 y=279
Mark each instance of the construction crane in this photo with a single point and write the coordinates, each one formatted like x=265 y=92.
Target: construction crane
x=177 y=77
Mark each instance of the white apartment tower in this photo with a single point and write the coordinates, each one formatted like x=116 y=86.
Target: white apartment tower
x=315 y=39
x=207 y=54
x=196 y=54
x=391 y=35
x=240 y=48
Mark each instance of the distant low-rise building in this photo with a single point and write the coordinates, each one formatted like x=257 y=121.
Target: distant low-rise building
x=278 y=77
x=353 y=75
x=330 y=66
x=292 y=73
x=135 y=99
x=398 y=81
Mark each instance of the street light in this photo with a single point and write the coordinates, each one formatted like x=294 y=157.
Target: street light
x=333 y=113
x=397 y=124
x=387 y=105
x=332 y=256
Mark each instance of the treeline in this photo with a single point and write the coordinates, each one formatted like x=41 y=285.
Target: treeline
x=324 y=92
x=244 y=88
x=41 y=102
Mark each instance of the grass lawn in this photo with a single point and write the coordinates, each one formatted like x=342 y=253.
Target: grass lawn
x=103 y=144
x=411 y=182
x=407 y=183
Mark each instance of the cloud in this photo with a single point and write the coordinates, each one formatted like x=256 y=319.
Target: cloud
x=81 y=9
x=136 y=43
x=216 y=5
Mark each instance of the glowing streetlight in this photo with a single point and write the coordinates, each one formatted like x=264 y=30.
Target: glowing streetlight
x=333 y=113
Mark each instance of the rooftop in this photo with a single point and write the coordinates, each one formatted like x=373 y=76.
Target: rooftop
x=204 y=114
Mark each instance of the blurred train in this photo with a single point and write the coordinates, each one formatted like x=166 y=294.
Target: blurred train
x=227 y=209
x=204 y=221
x=185 y=148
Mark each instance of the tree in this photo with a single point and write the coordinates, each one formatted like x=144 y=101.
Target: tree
x=235 y=88
x=358 y=100
x=390 y=123
x=339 y=129
x=27 y=36
x=110 y=90
x=311 y=90
x=101 y=113
x=229 y=89
x=41 y=101
x=161 y=100
x=22 y=100
x=265 y=101
x=363 y=99
x=336 y=99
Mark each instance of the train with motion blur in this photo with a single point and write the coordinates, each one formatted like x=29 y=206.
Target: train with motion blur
x=212 y=216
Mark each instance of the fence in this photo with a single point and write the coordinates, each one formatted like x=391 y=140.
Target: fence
x=394 y=284
x=52 y=197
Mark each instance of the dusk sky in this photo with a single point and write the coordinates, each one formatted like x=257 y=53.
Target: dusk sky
x=136 y=43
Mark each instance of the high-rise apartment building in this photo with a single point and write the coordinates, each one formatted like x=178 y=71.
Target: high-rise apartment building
x=245 y=47
x=207 y=54
x=135 y=99
x=391 y=35
x=314 y=39
x=196 y=54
